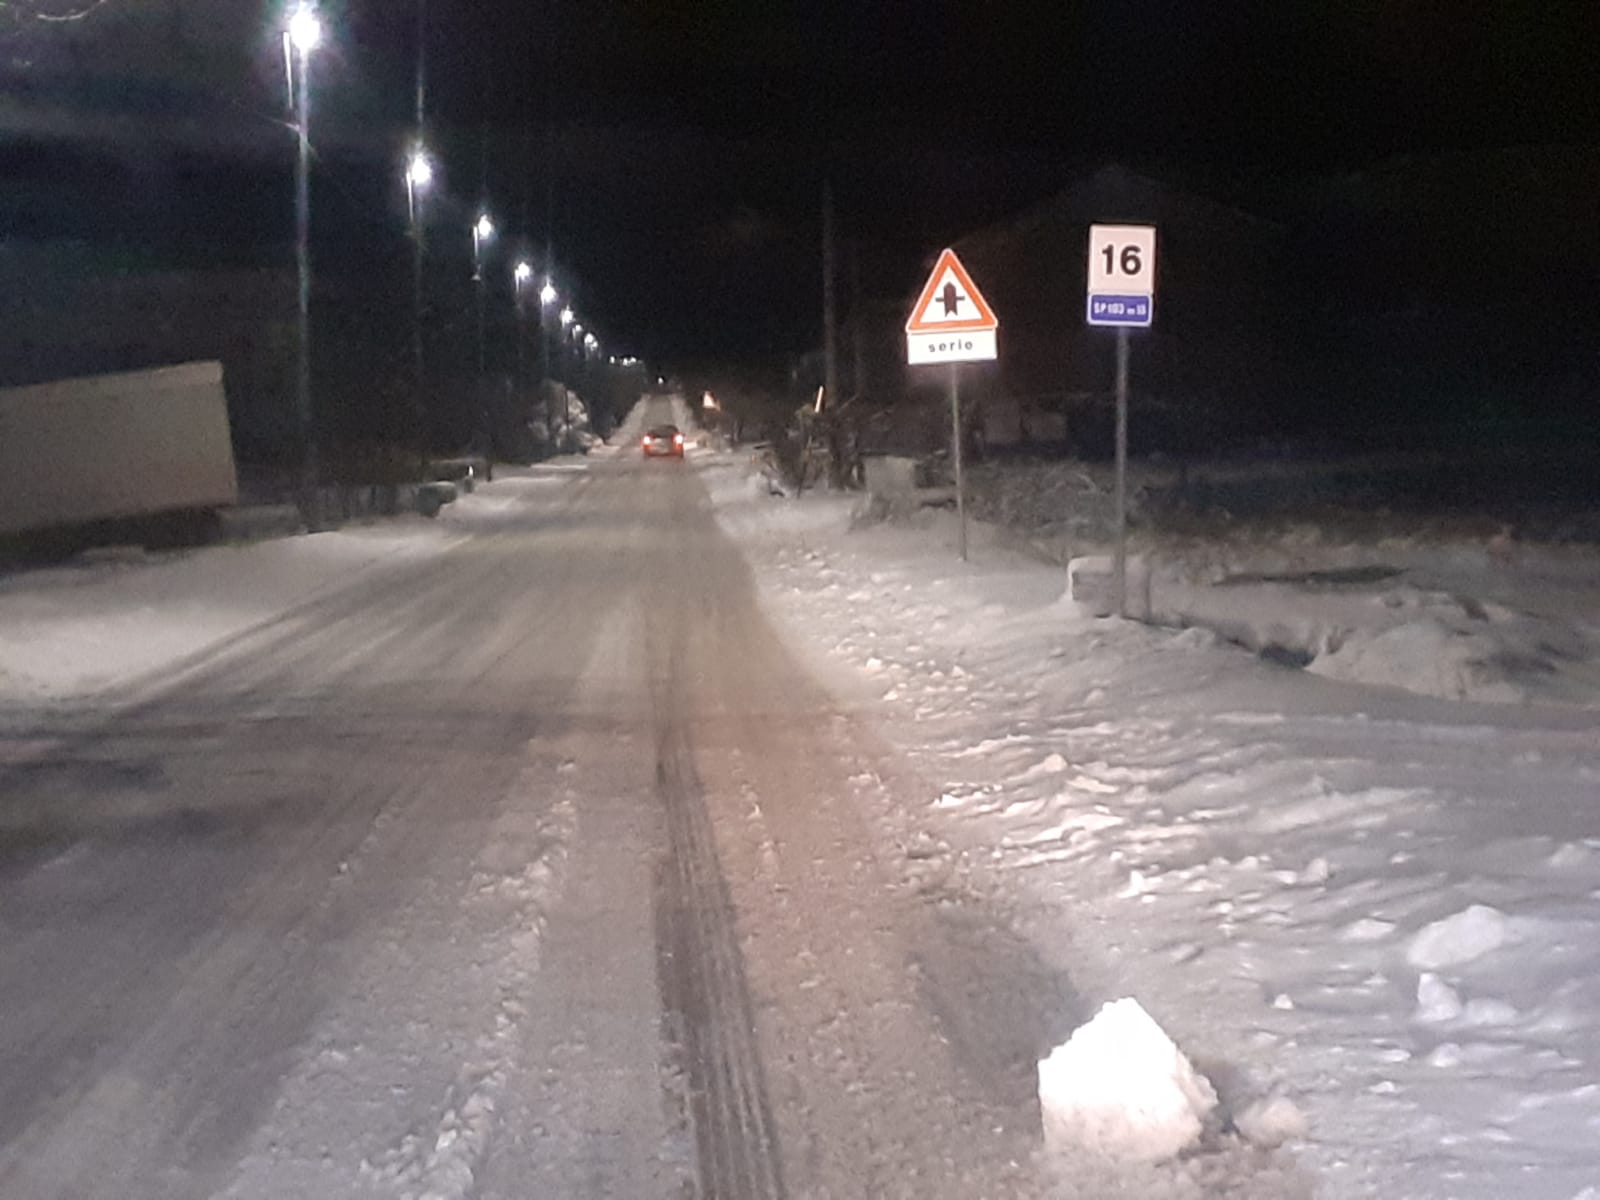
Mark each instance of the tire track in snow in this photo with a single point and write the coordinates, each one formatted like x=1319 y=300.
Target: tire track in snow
x=707 y=1009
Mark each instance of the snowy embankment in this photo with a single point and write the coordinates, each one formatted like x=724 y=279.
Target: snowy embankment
x=111 y=620
x=1462 y=621
x=107 y=618
x=1367 y=910
x=1455 y=607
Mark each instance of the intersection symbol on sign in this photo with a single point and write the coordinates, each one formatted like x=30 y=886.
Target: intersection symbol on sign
x=951 y=321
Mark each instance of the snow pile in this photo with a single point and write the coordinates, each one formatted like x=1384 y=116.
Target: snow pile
x=1386 y=626
x=1119 y=1087
x=1424 y=656
x=1460 y=938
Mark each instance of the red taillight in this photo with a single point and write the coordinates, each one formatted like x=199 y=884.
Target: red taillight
x=645 y=442
x=677 y=439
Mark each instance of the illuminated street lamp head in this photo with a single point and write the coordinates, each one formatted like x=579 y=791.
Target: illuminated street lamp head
x=577 y=331
x=522 y=272
x=419 y=171
x=547 y=294
x=305 y=30
x=566 y=316
x=591 y=341
x=484 y=228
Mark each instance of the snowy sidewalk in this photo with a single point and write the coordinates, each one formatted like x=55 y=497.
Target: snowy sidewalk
x=1382 y=906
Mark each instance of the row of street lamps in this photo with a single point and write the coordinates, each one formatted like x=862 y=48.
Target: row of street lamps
x=301 y=37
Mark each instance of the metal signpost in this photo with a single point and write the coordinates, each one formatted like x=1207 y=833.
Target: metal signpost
x=952 y=323
x=1122 y=295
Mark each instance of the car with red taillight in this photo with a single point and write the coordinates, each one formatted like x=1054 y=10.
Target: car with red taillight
x=664 y=441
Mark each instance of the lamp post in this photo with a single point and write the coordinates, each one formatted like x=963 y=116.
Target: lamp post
x=419 y=174
x=567 y=318
x=521 y=276
x=591 y=363
x=302 y=36
x=548 y=296
x=482 y=235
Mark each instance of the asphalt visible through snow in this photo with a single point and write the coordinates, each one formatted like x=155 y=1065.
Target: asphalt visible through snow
x=528 y=868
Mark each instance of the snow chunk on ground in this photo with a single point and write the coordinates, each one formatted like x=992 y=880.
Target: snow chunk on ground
x=1458 y=938
x=1120 y=1087
x=1051 y=764
x=1366 y=929
x=1437 y=1001
x=1271 y=1121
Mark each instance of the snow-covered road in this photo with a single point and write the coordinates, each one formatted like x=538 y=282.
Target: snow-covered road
x=628 y=832
x=508 y=855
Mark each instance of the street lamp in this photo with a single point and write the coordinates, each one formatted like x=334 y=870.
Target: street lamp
x=482 y=235
x=567 y=317
x=521 y=276
x=547 y=297
x=305 y=30
x=303 y=35
x=419 y=175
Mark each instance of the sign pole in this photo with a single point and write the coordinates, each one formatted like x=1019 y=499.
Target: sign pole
x=955 y=441
x=951 y=323
x=1121 y=293
x=1121 y=561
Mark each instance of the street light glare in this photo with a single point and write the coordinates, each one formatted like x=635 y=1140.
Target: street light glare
x=484 y=228
x=522 y=273
x=566 y=316
x=305 y=30
x=419 y=172
x=547 y=294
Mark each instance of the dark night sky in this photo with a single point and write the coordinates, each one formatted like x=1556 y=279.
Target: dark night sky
x=679 y=147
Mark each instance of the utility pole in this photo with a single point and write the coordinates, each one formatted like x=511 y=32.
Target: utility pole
x=830 y=322
x=858 y=341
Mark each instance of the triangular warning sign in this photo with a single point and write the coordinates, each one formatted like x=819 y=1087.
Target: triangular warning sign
x=949 y=301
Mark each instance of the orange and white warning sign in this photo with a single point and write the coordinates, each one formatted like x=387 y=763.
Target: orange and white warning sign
x=951 y=321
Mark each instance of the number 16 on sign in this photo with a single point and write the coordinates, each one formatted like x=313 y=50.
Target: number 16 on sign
x=1122 y=294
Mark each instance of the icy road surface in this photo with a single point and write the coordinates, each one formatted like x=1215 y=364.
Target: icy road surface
x=523 y=862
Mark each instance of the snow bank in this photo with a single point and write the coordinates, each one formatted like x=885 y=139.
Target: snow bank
x=70 y=630
x=1119 y=1087
x=1428 y=657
